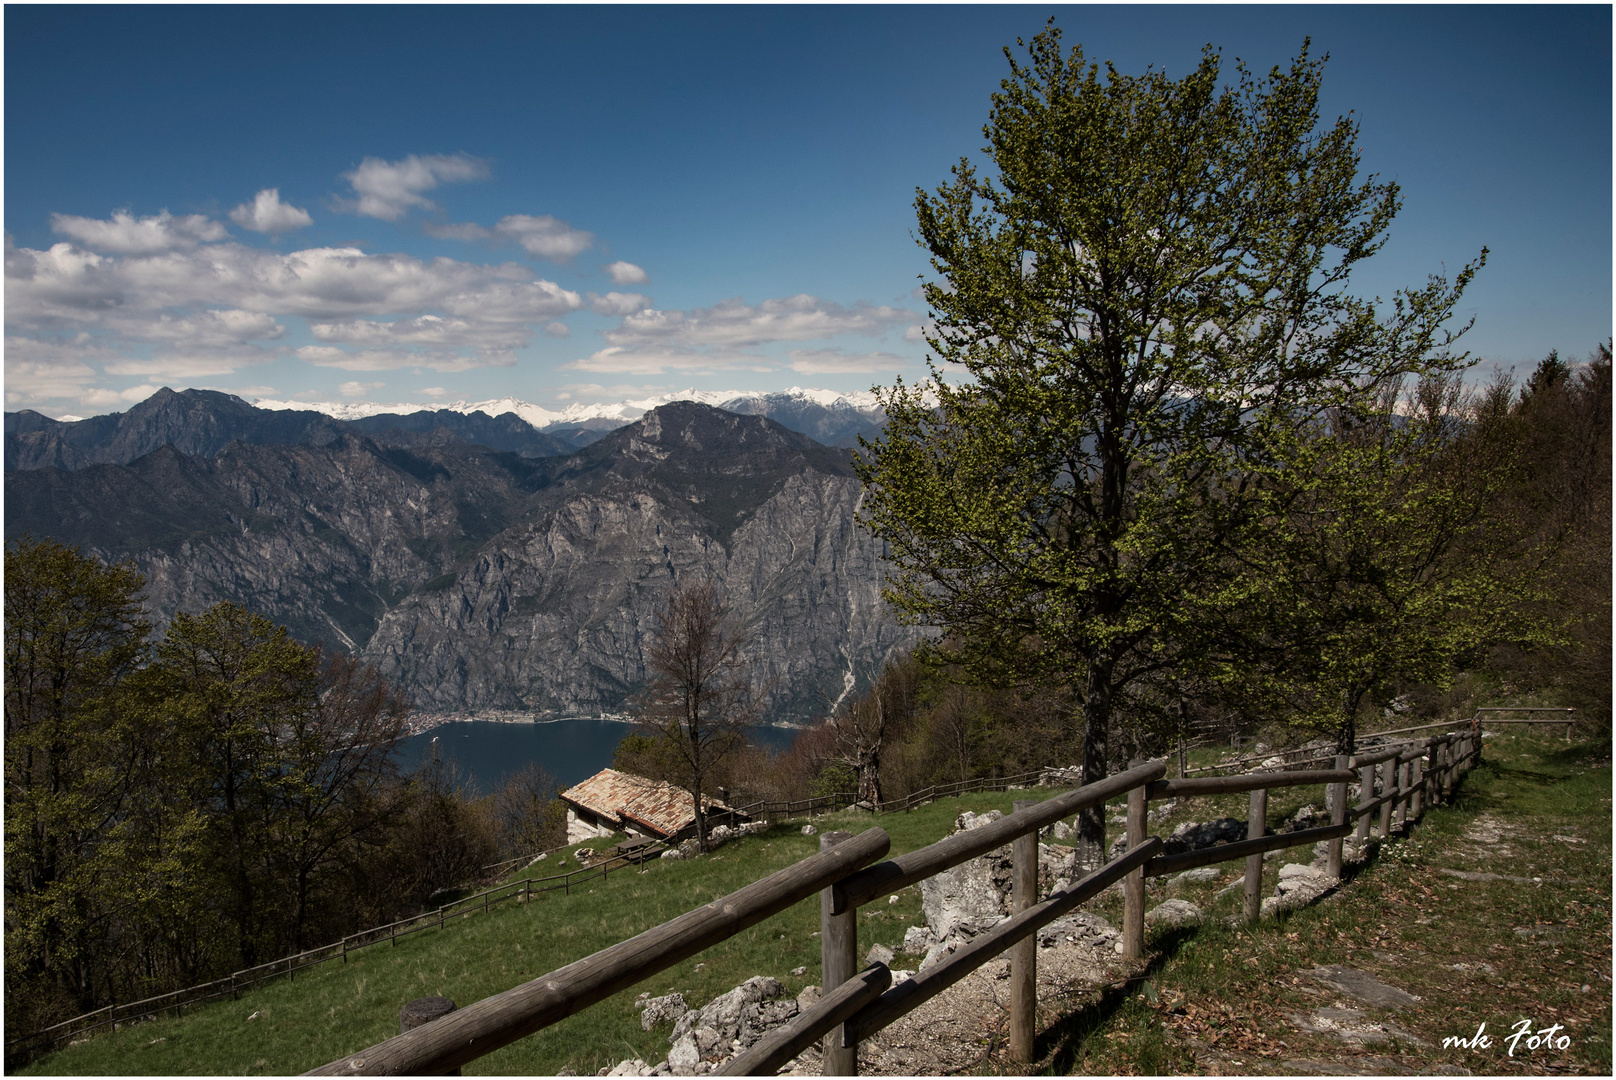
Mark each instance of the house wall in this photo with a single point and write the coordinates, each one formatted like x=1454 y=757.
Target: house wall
x=582 y=825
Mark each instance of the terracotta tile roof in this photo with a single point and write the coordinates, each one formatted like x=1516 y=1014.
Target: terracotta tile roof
x=654 y=805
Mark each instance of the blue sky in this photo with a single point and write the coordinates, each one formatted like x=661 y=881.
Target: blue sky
x=571 y=204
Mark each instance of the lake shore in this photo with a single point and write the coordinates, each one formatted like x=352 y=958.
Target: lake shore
x=421 y=722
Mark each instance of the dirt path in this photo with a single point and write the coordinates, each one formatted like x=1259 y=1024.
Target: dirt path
x=1491 y=919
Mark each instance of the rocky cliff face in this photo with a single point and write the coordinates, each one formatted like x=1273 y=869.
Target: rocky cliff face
x=553 y=614
x=481 y=580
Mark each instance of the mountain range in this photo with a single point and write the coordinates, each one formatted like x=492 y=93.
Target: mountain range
x=480 y=562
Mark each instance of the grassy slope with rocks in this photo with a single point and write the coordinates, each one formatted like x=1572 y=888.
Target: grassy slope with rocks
x=1221 y=1000
x=1215 y=1000
x=335 y=1009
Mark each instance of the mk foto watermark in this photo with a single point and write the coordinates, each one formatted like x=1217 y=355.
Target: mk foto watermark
x=1548 y=1038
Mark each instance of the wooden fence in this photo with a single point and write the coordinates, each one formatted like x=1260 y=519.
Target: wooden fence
x=846 y=875
x=232 y=985
x=521 y=891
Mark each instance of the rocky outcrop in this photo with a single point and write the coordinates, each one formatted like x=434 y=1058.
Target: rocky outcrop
x=728 y=1025
x=483 y=580
x=553 y=614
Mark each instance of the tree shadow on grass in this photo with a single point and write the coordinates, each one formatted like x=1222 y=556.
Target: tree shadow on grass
x=1508 y=772
x=1580 y=755
x=1060 y=1046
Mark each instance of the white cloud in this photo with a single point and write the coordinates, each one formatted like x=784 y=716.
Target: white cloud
x=626 y=273
x=184 y=364
x=353 y=388
x=267 y=214
x=128 y=235
x=839 y=362
x=39 y=371
x=616 y=303
x=395 y=359
x=732 y=323
x=502 y=301
x=920 y=331
x=424 y=330
x=387 y=189
x=464 y=231
x=434 y=391
x=558 y=329
x=545 y=236
x=66 y=285
x=655 y=360
x=205 y=329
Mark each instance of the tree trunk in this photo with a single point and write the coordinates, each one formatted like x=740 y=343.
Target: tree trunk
x=1096 y=728
x=869 y=774
x=1346 y=737
x=701 y=819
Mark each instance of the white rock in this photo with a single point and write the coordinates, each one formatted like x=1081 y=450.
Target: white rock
x=1199 y=874
x=662 y=1010
x=1173 y=913
x=684 y=1057
x=917 y=939
x=809 y=830
x=971 y=820
x=879 y=954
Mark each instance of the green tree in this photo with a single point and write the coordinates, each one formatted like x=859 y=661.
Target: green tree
x=240 y=693
x=1146 y=299
x=1564 y=489
x=1396 y=559
x=74 y=629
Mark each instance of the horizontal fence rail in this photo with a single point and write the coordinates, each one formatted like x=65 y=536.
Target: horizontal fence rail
x=467 y=1034
x=857 y=1004
x=437 y=918
x=848 y=874
x=232 y=985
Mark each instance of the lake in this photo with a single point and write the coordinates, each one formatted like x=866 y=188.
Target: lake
x=570 y=750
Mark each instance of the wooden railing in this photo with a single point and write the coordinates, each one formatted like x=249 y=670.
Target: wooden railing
x=773 y=810
x=288 y=966
x=845 y=874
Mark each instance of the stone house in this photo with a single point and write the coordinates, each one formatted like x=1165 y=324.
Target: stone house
x=612 y=801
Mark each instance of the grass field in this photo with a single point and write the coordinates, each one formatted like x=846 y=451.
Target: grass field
x=1213 y=1000
x=328 y=1011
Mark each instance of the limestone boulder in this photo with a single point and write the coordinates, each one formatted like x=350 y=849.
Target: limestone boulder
x=1174 y=913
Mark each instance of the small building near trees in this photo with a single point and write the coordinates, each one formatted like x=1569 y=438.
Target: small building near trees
x=613 y=801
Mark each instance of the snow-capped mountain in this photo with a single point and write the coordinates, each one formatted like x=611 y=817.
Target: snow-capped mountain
x=829 y=416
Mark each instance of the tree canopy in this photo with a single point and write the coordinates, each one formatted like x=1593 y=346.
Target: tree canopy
x=1136 y=310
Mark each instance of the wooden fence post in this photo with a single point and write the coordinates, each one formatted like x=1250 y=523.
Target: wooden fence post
x=1256 y=825
x=1366 y=792
x=1402 y=795
x=1338 y=816
x=838 y=962
x=1133 y=886
x=1388 y=774
x=1024 y=954
x=1416 y=775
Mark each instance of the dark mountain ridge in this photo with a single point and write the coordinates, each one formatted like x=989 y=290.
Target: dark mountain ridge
x=483 y=579
x=204 y=422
